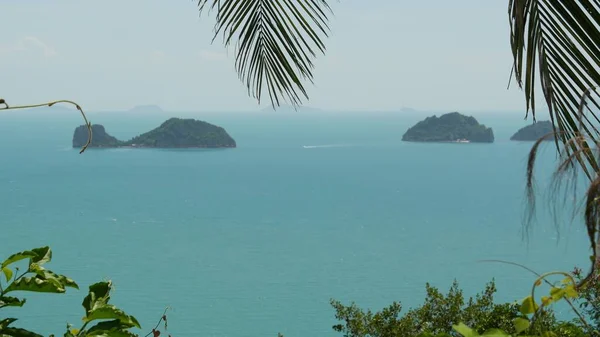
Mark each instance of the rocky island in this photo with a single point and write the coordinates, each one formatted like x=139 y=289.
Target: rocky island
x=450 y=127
x=173 y=133
x=533 y=132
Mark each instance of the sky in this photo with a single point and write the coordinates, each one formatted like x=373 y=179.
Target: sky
x=381 y=55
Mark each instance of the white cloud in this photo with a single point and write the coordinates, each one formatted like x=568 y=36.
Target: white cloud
x=28 y=43
x=211 y=56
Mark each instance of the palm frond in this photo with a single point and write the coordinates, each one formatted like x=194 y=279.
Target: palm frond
x=277 y=41
x=560 y=41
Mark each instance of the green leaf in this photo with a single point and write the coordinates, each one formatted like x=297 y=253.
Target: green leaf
x=110 y=325
x=557 y=293
x=42 y=255
x=17 y=332
x=464 y=330
x=27 y=254
x=7 y=273
x=114 y=328
x=98 y=295
x=571 y=292
x=36 y=284
x=111 y=333
x=6 y=322
x=63 y=280
x=109 y=311
x=528 y=306
x=7 y=301
x=521 y=324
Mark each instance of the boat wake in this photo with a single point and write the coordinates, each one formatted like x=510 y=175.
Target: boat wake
x=325 y=146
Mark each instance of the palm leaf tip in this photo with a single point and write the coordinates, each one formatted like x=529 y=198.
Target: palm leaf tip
x=276 y=42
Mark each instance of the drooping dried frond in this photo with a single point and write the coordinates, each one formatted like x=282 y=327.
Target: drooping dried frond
x=566 y=175
x=276 y=42
x=530 y=185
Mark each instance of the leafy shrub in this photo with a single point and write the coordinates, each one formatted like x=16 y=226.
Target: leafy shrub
x=101 y=319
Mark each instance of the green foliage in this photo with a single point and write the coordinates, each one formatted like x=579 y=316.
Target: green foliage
x=589 y=298
x=177 y=132
x=537 y=319
x=450 y=315
x=107 y=319
x=435 y=317
x=534 y=132
x=447 y=128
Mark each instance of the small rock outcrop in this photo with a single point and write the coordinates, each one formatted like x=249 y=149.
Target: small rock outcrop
x=99 y=137
x=450 y=127
x=533 y=132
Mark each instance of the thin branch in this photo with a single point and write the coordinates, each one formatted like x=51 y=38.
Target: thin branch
x=162 y=318
x=49 y=104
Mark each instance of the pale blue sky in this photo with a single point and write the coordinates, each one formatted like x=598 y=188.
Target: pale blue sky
x=382 y=55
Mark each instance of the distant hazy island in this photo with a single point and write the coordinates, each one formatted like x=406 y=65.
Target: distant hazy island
x=450 y=127
x=147 y=109
x=534 y=132
x=173 y=133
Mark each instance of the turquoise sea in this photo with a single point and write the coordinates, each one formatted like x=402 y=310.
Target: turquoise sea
x=256 y=240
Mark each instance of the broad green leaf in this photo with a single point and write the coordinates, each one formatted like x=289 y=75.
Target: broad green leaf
x=43 y=255
x=63 y=280
x=36 y=284
x=36 y=268
x=557 y=293
x=110 y=325
x=8 y=273
x=98 y=295
x=7 y=301
x=521 y=324
x=528 y=306
x=6 y=322
x=17 y=332
x=109 y=311
x=112 y=328
x=111 y=333
x=18 y=257
x=464 y=330
x=571 y=292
